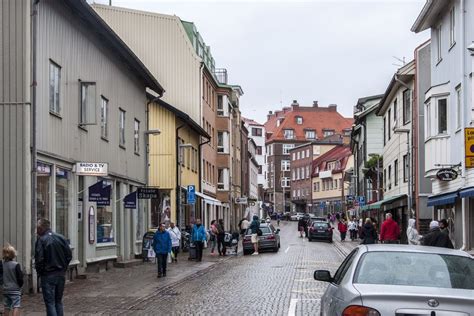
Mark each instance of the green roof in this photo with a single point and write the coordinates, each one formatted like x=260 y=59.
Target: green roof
x=379 y=204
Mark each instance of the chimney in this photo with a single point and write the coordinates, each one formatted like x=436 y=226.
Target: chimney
x=295 y=104
x=269 y=115
x=333 y=107
x=315 y=104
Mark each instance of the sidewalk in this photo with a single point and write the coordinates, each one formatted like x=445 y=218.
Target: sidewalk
x=116 y=290
x=346 y=246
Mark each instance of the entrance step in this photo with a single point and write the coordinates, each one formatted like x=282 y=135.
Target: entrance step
x=128 y=263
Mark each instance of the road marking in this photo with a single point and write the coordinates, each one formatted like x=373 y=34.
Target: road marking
x=292 y=309
x=286 y=251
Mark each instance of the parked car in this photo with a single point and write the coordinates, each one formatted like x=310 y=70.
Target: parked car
x=270 y=239
x=296 y=216
x=320 y=230
x=383 y=279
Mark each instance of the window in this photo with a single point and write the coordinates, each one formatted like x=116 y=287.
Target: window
x=458 y=107
x=344 y=267
x=310 y=134
x=222 y=142
x=438 y=39
x=54 y=87
x=298 y=155
x=287 y=148
x=105 y=231
x=385 y=179
x=335 y=184
x=289 y=133
x=259 y=169
x=302 y=174
x=327 y=133
x=452 y=27
x=299 y=120
x=405 y=168
x=270 y=150
x=395 y=110
x=294 y=193
x=258 y=150
x=222 y=179
x=307 y=153
x=302 y=155
x=317 y=186
x=62 y=202
x=43 y=196
x=389 y=177
x=220 y=105
x=307 y=172
x=442 y=116
x=122 y=128
x=297 y=173
x=428 y=120
x=104 y=117
x=406 y=107
x=136 y=136
x=285 y=165
x=293 y=175
x=384 y=132
x=256 y=131
x=285 y=182
x=87 y=110
x=294 y=156
x=389 y=127
x=395 y=173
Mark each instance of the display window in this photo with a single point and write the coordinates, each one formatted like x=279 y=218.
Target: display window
x=105 y=221
x=62 y=201
x=43 y=191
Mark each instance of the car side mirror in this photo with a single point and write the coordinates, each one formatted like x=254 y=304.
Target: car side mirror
x=323 y=275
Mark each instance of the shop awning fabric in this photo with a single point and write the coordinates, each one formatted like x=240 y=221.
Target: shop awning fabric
x=379 y=204
x=209 y=199
x=443 y=199
x=466 y=192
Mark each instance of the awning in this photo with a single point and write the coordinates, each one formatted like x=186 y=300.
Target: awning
x=466 y=192
x=209 y=199
x=379 y=204
x=442 y=199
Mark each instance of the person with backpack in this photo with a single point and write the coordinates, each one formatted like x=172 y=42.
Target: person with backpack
x=220 y=238
x=11 y=278
x=255 y=227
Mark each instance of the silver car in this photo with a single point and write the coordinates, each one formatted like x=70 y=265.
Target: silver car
x=400 y=280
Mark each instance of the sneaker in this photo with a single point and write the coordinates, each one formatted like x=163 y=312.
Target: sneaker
x=255 y=254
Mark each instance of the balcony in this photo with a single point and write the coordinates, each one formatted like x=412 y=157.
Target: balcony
x=436 y=149
x=208 y=187
x=221 y=75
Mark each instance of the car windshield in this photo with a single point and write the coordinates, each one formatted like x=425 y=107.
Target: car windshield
x=264 y=229
x=320 y=225
x=416 y=269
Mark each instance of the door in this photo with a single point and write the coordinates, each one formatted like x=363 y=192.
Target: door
x=80 y=221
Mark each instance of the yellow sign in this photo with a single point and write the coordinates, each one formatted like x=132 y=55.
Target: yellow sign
x=469 y=162
x=469 y=141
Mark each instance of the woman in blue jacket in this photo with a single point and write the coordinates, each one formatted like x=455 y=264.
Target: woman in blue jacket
x=162 y=247
x=198 y=237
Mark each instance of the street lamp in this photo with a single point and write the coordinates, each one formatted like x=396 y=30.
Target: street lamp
x=407 y=132
x=180 y=193
x=378 y=173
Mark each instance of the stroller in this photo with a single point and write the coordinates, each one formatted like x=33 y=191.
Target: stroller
x=231 y=242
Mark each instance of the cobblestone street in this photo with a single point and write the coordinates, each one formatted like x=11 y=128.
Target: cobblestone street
x=269 y=284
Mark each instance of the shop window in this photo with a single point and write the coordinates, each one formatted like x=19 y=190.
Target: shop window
x=105 y=229
x=43 y=192
x=62 y=202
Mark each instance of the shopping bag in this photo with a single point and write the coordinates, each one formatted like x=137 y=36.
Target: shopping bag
x=172 y=255
x=151 y=253
x=205 y=244
x=169 y=257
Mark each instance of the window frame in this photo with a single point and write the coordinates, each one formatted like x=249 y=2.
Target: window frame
x=405 y=168
x=439 y=47
x=83 y=113
x=344 y=267
x=54 y=88
x=136 y=136
x=395 y=173
x=406 y=106
x=458 y=107
x=452 y=27
x=445 y=98
x=122 y=125
x=289 y=133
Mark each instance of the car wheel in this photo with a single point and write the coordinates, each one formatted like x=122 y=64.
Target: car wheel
x=279 y=245
x=276 y=249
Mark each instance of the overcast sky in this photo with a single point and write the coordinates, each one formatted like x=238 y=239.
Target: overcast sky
x=333 y=51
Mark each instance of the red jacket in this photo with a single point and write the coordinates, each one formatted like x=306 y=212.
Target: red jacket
x=342 y=227
x=389 y=230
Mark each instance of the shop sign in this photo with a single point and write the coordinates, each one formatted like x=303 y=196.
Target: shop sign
x=447 y=174
x=241 y=200
x=469 y=162
x=148 y=193
x=42 y=168
x=92 y=169
x=469 y=146
x=130 y=201
x=191 y=194
x=100 y=194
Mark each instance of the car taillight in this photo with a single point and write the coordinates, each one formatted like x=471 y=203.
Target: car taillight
x=270 y=237
x=356 y=310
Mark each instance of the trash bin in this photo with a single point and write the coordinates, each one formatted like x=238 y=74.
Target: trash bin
x=147 y=244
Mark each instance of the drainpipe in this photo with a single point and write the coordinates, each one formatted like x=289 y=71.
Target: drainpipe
x=464 y=89
x=178 y=179
x=200 y=169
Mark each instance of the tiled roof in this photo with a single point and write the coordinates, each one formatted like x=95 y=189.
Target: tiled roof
x=251 y=122
x=314 y=118
x=340 y=153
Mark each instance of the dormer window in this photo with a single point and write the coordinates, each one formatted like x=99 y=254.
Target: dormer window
x=328 y=132
x=289 y=133
x=279 y=121
x=299 y=120
x=310 y=134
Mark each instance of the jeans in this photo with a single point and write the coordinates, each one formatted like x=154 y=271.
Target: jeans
x=175 y=252
x=343 y=235
x=162 y=259
x=199 y=248
x=221 y=245
x=213 y=243
x=52 y=287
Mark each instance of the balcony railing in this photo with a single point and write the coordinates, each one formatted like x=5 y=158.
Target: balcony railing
x=221 y=75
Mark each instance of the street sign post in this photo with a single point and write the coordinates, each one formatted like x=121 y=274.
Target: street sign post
x=191 y=194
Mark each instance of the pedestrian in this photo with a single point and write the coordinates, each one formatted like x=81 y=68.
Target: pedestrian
x=198 y=237
x=268 y=220
x=255 y=227
x=52 y=257
x=278 y=219
x=213 y=236
x=175 y=235
x=443 y=226
x=244 y=225
x=162 y=246
x=436 y=238
x=353 y=228
x=220 y=238
x=412 y=234
x=11 y=278
x=301 y=223
x=389 y=233
x=368 y=233
x=342 y=227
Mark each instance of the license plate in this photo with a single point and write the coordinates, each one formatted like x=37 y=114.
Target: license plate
x=321 y=231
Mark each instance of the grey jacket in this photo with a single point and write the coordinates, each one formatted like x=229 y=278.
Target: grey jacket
x=11 y=277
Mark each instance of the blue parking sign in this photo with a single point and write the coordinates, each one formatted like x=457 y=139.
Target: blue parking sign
x=191 y=194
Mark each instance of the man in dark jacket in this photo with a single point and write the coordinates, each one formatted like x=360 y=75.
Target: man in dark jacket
x=368 y=233
x=162 y=246
x=436 y=238
x=52 y=257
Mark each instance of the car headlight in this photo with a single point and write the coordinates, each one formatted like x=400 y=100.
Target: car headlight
x=356 y=310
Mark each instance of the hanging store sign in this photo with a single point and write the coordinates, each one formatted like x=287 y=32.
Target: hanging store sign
x=92 y=169
x=469 y=146
x=130 y=201
x=148 y=193
x=241 y=200
x=447 y=174
x=100 y=193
